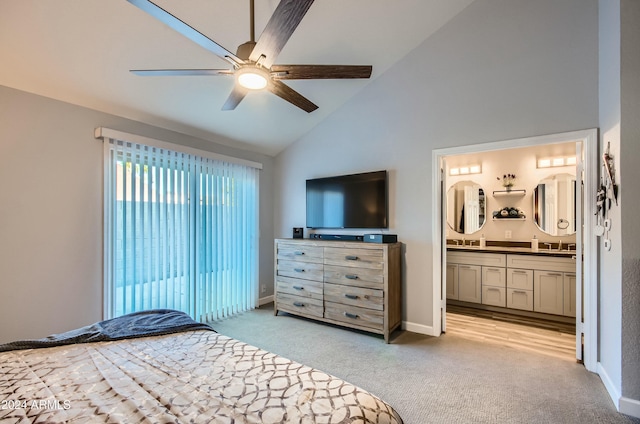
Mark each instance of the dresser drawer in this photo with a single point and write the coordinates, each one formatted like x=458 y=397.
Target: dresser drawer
x=356 y=258
x=300 y=305
x=360 y=277
x=298 y=287
x=354 y=296
x=302 y=270
x=300 y=253
x=354 y=315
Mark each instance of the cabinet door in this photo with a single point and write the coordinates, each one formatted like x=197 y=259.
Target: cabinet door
x=569 y=282
x=469 y=283
x=548 y=291
x=492 y=276
x=452 y=281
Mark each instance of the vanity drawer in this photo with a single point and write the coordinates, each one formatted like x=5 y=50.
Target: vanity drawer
x=520 y=299
x=355 y=296
x=477 y=258
x=494 y=276
x=494 y=296
x=520 y=279
x=543 y=263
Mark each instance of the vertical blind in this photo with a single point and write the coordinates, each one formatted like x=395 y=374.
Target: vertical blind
x=181 y=232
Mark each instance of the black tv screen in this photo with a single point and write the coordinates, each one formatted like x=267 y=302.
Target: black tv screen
x=348 y=201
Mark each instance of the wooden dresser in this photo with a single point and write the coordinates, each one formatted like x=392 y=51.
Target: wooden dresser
x=353 y=284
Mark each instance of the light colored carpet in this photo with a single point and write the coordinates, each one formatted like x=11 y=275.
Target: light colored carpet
x=448 y=379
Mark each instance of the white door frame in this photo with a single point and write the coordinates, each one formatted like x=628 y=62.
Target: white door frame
x=589 y=140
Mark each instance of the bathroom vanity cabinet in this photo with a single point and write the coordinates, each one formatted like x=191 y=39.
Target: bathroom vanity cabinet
x=527 y=282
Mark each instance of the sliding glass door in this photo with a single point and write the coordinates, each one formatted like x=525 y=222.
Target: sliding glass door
x=180 y=232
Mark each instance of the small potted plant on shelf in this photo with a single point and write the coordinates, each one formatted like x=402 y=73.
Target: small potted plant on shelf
x=508 y=180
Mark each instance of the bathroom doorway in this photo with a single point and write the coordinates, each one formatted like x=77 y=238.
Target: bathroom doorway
x=523 y=211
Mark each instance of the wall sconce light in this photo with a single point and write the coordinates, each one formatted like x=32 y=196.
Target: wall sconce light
x=466 y=170
x=557 y=161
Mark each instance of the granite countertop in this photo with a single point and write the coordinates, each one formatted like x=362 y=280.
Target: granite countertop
x=514 y=250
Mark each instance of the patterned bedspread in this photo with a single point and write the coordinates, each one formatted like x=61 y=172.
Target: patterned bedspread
x=194 y=376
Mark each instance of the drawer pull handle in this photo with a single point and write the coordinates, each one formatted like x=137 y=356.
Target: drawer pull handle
x=520 y=291
x=298 y=287
x=351 y=258
x=554 y=275
x=299 y=304
x=516 y=271
x=350 y=296
x=298 y=269
x=298 y=253
x=351 y=276
x=350 y=315
x=464 y=267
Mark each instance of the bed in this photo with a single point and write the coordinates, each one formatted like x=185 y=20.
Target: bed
x=162 y=367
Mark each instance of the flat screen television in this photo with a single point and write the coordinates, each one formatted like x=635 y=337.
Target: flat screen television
x=348 y=201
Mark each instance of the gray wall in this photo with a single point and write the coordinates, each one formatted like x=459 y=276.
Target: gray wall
x=51 y=212
x=619 y=311
x=630 y=196
x=501 y=69
x=610 y=261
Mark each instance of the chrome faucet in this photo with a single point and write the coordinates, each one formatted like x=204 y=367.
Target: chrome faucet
x=560 y=245
x=569 y=246
x=548 y=245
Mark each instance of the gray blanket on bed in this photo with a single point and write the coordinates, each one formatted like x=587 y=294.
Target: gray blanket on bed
x=138 y=324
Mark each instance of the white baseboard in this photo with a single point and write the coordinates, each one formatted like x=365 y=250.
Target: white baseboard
x=630 y=407
x=418 y=328
x=265 y=300
x=608 y=384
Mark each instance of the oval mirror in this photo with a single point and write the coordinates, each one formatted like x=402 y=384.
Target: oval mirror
x=554 y=205
x=465 y=207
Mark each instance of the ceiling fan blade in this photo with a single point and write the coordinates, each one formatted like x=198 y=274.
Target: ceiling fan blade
x=235 y=97
x=289 y=94
x=284 y=72
x=184 y=29
x=281 y=25
x=180 y=72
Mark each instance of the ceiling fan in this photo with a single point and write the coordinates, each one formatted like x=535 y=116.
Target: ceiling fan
x=253 y=63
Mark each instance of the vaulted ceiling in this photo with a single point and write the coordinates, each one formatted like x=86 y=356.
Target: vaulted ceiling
x=81 y=51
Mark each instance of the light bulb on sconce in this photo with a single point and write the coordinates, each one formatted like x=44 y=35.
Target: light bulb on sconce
x=466 y=170
x=557 y=161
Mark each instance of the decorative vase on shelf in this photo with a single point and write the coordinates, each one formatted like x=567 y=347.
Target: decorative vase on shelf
x=508 y=180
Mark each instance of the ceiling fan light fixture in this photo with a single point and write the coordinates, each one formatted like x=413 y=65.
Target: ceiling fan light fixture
x=252 y=78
